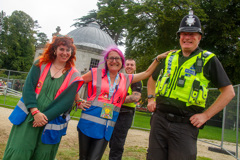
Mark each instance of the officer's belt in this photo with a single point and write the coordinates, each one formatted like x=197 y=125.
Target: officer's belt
x=175 y=118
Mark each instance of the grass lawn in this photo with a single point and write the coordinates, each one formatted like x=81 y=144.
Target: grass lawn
x=9 y=100
x=141 y=121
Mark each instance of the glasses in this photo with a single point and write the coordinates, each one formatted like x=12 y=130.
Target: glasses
x=117 y=59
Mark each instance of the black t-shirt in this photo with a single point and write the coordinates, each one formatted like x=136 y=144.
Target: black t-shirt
x=213 y=71
x=136 y=87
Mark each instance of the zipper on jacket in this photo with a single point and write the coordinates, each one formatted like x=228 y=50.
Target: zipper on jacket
x=177 y=79
x=174 y=80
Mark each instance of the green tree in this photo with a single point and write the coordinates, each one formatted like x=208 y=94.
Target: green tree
x=152 y=28
x=222 y=33
x=41 y=39
x=111 y=16
x=84 y=20
x=17 y=39
x=2 y=49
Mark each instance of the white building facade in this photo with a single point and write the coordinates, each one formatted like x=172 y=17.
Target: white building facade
x=90 y=41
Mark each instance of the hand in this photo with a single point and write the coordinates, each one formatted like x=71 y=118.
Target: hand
x=164 y=55
x=151 y=105
x=198 y=120
x=84 y=104
x=40 y=120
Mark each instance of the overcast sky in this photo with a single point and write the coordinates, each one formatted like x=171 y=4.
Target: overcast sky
x=51 y=13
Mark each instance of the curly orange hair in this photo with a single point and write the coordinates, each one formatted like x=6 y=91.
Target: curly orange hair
x=48 y=53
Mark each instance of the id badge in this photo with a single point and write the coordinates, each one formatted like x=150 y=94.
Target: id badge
x=107 y=111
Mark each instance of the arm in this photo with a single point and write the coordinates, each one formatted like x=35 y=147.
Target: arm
x=29 y=95
x=135 y=97
x=151 y=68
x=81 y=104
x=87 y=77
x=151 y=91
x=60 y=105
x=136 y=93
x=226 y=95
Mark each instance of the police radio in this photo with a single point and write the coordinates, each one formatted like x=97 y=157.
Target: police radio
x=181 y=81
x=199 y=65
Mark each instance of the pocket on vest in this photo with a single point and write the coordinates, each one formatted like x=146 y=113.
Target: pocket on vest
x=17 y=116
x=54 y=131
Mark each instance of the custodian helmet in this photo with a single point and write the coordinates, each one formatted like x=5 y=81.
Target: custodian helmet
x=190 y=23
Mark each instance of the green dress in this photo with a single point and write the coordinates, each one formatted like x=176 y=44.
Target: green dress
x=24 y=142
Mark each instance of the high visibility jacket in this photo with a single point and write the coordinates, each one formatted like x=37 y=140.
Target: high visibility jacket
x=91 y=123
x=184 y=82
x=55 y=129
x=133 y=105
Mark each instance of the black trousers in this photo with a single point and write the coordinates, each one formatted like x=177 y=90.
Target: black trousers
x=119 y=135
x=171 y=141
x=91 y=148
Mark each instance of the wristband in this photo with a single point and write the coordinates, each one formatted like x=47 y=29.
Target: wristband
x=35 y=112
x=78 y=102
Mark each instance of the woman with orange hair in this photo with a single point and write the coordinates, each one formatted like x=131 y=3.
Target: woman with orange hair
x=41 y=116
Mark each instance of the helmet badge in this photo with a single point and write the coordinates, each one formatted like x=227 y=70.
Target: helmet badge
x=190 y=20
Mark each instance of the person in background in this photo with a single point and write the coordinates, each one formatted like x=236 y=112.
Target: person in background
x=9 y=84
x=126 y=114
x=41 y=116
x=17 y=85
x=180 y=86
x=107 y=89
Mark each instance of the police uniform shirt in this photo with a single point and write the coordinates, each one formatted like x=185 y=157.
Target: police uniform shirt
x=213 y=71
x=136 y=87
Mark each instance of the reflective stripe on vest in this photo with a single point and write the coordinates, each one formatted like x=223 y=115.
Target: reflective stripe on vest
x=22 y=106
x=184 y=83
x=51 y=136
x=90 y=123
x=20 y=112
x=55 y=126
x=98 y=120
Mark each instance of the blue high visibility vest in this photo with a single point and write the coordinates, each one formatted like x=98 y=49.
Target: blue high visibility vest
x=55 y=129
x=91 y=123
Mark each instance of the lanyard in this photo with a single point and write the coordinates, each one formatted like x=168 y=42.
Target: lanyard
x=111 y=87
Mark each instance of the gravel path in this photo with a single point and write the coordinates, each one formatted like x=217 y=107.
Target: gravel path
x=135 y=138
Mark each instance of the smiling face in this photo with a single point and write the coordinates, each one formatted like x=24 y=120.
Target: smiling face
x=114 y=61
x=189 y=41
x=130 y=66
x=63 y=53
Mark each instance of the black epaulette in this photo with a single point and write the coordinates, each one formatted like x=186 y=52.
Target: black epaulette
x=206 y=54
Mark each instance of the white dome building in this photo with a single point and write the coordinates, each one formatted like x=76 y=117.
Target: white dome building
x=90 y=41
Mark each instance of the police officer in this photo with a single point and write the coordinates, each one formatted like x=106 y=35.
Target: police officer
x=177 y=93
x=125 y=117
